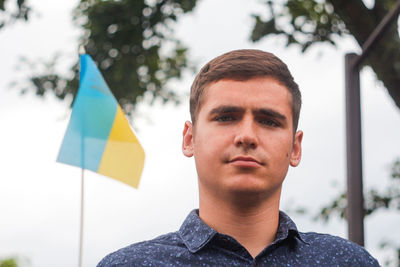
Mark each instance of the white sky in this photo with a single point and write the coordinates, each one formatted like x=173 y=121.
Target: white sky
x=40 y=199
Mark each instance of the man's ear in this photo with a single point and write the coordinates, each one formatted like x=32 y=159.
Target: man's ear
x=187 y=143
x=295 y=156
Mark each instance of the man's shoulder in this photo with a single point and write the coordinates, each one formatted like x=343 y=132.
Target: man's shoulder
x=139 y=254
x=339 y=248
x=328 y=241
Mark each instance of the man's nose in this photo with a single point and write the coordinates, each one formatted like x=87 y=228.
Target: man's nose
x=246 y=136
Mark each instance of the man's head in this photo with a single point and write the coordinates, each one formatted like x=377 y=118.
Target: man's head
x=243 y=65
x=244 y=107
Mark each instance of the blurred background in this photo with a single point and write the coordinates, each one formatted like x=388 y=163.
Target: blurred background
x=149 y=52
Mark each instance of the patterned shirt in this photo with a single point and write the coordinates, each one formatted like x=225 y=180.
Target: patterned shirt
x=197 y=244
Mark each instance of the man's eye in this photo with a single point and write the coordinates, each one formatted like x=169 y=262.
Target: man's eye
x=269 y=122
x=224 y=118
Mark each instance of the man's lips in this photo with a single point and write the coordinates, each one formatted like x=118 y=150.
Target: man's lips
x=245 y=161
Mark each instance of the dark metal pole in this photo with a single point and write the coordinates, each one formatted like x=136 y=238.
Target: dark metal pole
x=355 y=203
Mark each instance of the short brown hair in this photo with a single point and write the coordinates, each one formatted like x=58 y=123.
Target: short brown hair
x=242 y=65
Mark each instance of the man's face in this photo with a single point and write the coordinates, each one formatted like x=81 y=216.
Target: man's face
x=243 y=138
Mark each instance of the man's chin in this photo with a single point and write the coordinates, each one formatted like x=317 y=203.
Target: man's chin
x=249 y=192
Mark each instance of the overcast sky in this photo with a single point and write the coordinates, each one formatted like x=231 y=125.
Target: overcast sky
x=40 y=199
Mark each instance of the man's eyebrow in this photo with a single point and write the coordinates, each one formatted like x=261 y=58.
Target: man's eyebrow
x=225 y=109
x=270 y=113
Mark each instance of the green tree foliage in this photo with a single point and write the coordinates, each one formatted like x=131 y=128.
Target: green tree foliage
x=8 y=17
x=308 y=22
x=374 y=199
x=133 y=44
x=9 y=262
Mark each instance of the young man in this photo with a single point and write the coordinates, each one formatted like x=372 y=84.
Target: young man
x=244 y=107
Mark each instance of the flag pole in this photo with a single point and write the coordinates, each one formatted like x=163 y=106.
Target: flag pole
x=81 y=51
x=81 y=224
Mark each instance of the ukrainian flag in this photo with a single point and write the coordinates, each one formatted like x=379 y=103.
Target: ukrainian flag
x=98 y=136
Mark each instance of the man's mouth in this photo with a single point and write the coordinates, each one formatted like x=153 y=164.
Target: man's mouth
x=245 y=162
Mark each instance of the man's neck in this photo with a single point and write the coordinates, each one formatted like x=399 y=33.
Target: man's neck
x=253 y=225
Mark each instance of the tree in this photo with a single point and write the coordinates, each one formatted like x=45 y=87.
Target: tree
x=9 y=262
x=375 y=199
x=8 y=17
x=318 y=21
x=134 y=46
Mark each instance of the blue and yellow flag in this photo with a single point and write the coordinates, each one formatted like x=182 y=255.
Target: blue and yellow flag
x=98 y=136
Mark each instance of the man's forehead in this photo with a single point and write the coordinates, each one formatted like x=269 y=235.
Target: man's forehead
x=224 y=92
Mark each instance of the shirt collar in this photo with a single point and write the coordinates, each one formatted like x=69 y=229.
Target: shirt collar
x=196 y=234
x=286 y=228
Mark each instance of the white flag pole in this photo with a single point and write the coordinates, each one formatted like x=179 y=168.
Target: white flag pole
x=82 y=212
x=81 y=51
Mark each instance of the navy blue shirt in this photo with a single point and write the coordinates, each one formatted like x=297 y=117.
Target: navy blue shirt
x=197 y=244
